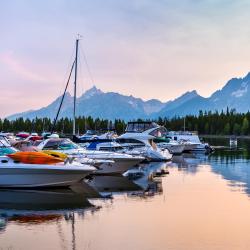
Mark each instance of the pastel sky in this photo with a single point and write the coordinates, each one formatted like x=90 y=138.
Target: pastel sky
x=147 y=48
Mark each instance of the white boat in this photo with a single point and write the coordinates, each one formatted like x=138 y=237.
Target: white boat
x=15 y=174
x=174 y=147
x=20 y=175
x=122 y=162
x=140 y=136
x=191 y=141
x=233 y=142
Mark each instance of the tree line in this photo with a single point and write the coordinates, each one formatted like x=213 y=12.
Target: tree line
x=211 y=123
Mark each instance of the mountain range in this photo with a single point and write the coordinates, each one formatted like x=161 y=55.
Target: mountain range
x=94 y=102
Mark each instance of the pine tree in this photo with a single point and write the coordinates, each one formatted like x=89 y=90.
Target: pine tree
x=227 y=129
x=245 y=126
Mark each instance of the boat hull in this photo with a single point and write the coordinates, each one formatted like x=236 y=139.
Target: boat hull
x=173 y=148
x=190 y=147
x=119 y=163
x=35 y=177
x=119 y=166
x=158 y=155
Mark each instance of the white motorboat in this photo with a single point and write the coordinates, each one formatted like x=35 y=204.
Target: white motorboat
x=140 y=136
x=15 y=174
x=174 y=147
x=191 y=141
x=122 y=162
x=20 y=175
x=188 y=145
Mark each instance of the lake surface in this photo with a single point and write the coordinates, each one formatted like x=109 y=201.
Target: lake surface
x=203 y=203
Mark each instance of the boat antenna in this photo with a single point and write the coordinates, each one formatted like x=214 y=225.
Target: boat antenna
x=60 y=106
x=75 y=81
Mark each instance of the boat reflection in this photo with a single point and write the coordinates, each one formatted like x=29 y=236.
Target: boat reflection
x=140 y=180
x=149 y=178
x=113 y=184
x=40 y=206
x=188 y=162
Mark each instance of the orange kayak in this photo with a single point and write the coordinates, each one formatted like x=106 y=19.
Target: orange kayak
x=34 y=158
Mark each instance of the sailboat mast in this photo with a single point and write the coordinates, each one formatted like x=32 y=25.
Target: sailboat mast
x=74 y=114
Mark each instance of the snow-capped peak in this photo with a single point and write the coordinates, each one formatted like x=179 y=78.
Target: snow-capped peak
x=242 y=90
x=92 y=92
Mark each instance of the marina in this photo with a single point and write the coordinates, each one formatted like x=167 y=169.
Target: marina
x=124 y=125
x=203 y=203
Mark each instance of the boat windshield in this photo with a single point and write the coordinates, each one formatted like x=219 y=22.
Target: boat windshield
x=159 y=132
x=5 y=147
x=61 y=144
x=140 y=126
x=67 y=144
x=7 y=150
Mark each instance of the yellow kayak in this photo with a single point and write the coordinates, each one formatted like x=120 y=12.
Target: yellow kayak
x=55 y=154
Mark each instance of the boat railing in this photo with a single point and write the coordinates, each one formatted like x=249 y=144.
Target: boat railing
x=183 y=133
x=4 y=142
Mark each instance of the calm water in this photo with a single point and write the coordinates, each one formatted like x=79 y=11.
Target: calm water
x=204 y=203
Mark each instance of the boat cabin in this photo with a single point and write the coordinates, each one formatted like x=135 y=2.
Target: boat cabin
x=190 y=136
x=139 y=127
x=57 y=144
x=151 y=127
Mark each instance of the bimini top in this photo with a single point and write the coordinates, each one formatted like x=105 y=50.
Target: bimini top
x=139 y=127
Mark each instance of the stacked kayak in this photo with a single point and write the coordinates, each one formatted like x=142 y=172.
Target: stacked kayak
x=35 y=158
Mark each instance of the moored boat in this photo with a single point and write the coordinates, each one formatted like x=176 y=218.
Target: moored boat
x=140 y=136
x=119 y=164
x=14 y=174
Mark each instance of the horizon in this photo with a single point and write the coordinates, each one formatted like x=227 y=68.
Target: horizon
x=145 y=100
x=156 y=49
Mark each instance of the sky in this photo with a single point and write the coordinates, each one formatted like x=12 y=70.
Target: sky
x=145 y=48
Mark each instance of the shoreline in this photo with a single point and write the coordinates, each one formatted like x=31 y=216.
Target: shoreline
x=225 y=136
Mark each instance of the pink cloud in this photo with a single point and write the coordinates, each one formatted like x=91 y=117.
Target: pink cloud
x=19 y=68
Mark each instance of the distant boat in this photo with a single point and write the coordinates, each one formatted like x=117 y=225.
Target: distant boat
x=233 y=142
x=191 y=141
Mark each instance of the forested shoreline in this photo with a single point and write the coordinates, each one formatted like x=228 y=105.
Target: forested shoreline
x=209 y=123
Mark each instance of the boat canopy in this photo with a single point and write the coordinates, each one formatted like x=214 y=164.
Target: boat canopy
x=59 y=144
x=139 y=127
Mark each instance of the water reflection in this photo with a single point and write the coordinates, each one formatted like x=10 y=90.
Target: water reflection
x=142 y=181
x=149 y=179
x=148 y=210
x=188 y=163
x=233 y=166
x=113 y=184
x=40 y=206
